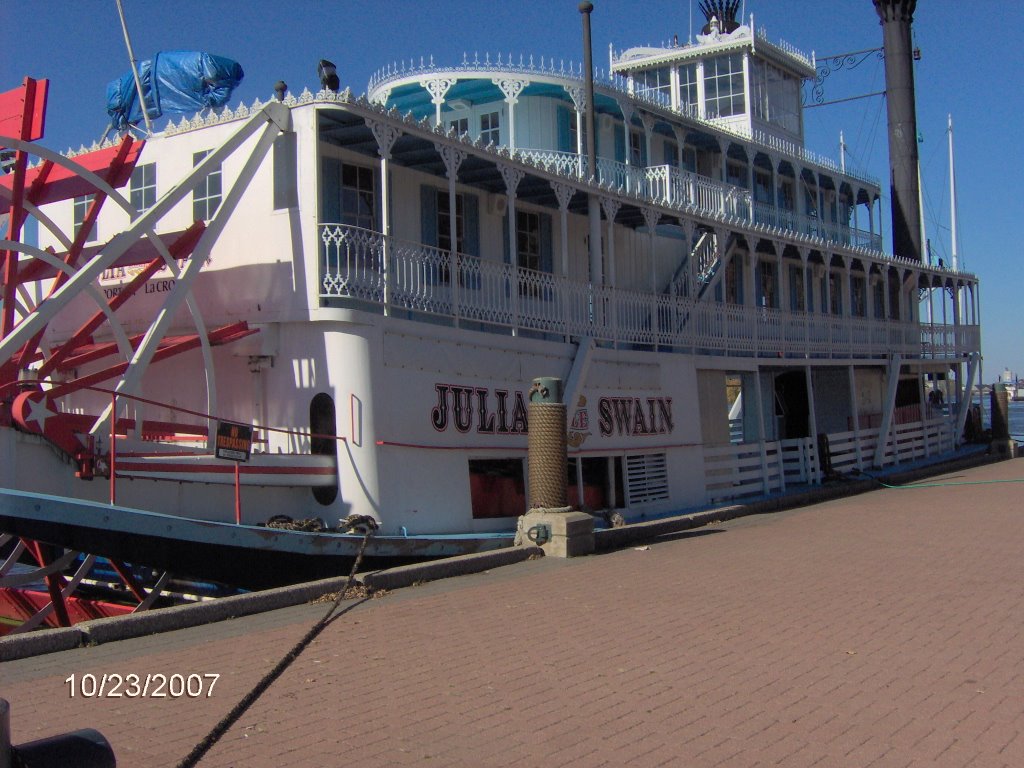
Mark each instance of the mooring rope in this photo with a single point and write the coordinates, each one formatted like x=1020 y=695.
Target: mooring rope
x=215 y=734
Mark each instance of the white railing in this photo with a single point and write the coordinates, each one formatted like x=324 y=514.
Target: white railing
x=734 y=471
x=366 y=267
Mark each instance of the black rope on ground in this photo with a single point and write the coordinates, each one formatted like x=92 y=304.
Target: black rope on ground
x=232 y=717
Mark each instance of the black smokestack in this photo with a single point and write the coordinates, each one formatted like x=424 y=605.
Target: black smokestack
x=723 y=10
x=896 y=17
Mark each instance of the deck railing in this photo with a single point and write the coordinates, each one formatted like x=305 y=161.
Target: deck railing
x=743 y=469
x=668 y=185
x=363 y=266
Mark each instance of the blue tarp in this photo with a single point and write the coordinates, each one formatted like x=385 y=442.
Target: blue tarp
x=173 y=82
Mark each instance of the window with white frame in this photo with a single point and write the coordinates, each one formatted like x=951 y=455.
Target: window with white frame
x=635 y=148
x=490 y=128
x=81 y=208
x=776 y=96
x=444 y=221
x=460 y=124
x=207 y=196
x=142 y=187
x=528 y=239
x=688 y=88
x=723 y=86
x=357 y=196
x=654 y=83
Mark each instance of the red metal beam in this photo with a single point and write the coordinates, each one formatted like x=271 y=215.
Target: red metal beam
x=23 y=110
x=22 y=116
x=63 y=183
x=181 y=248
x=54 y=583
x=174 y=346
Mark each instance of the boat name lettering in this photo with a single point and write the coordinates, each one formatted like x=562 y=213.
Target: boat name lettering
x=635 y=416
x=465 y=407
x=160 y=286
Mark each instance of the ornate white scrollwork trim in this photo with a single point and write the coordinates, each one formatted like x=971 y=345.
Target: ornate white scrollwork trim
x=627 y=110
x=512 y=177
x=386 y=136
x=510 y=87
x=564 y=193
x=611 y=207
x=648 y=121
x=452 y=156
x=651 y=218
x=382 y=96
x=437 y=87
x=579 y=97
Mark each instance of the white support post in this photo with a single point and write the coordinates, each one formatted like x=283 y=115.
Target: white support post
x=812 y=423
x=437 y=87
x=453 y=158
x=611 y=210
x=564 y=193
x=511 y=88
x=761 y=433
x=386 y=136
x=855 y=413
x=579 y=102
x=512 y=177
x=887 y=410
x=651 y=218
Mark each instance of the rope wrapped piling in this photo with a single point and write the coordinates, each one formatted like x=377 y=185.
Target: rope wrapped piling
x=547 y=450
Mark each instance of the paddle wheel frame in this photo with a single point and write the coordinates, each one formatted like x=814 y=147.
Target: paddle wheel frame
x=40 y=371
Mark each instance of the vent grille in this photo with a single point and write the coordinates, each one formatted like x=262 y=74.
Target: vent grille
x=646 y=478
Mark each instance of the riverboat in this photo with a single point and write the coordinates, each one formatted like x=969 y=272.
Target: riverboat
x=331 y=304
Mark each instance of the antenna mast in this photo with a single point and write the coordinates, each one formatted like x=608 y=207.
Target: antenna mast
x=952 y=192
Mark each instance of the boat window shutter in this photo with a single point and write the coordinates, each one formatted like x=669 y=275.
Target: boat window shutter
x=620 y=146
x=330 y=191
x=428 y=215
x=564 y=130
x=546 y=249
x=471 y=238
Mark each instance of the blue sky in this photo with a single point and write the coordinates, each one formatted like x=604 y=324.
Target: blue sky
x=970 y=67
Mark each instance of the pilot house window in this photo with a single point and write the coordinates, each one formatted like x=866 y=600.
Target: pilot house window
x=723 y=86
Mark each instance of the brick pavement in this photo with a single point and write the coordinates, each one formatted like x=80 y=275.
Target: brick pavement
x=878 y=630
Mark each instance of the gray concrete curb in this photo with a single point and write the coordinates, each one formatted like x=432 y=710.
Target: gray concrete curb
x=38 y=643
x=180 y=616
x=406 y=575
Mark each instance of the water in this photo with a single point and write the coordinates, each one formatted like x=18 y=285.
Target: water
x=1016 y=416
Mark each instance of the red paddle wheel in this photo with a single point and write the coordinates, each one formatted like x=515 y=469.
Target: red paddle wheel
x=56 y=382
